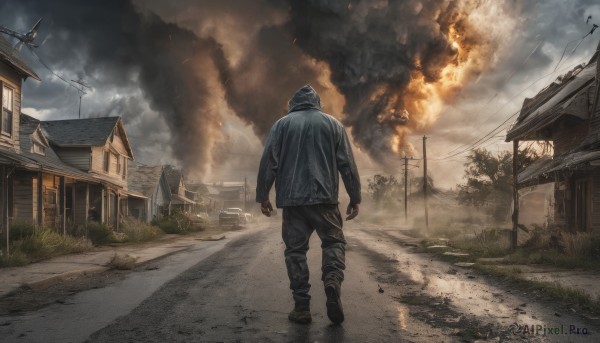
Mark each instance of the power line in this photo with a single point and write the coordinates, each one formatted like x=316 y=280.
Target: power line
x=461 y=148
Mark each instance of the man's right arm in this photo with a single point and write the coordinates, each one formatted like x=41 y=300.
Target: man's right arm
x=268 y=166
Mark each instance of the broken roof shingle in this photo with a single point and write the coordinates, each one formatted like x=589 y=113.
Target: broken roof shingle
x=144 y=179
x=79 y=132
x=555 y=101
x=12 y=56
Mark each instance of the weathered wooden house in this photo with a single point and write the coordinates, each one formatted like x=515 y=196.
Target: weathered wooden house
x=149 y=194
x=179 y=199
x=42 y=184
x=566 y=113
x=100 y=148
x=56 y=172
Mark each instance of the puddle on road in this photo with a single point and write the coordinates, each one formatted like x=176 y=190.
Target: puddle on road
x=472 y=305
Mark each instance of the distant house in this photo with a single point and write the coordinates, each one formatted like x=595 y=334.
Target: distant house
x=566 y=113
x=100 y=148
x=149 y=194
x=179 y=199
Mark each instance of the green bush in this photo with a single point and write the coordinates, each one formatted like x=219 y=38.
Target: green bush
x=16 y=259
x=20 y=230
x=169 y=225
x=178 y=223
x=42 y=244
x=46 y=243
x=99 y=233
x=138 y=231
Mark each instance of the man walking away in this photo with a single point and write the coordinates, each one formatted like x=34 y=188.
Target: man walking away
x=303 y=155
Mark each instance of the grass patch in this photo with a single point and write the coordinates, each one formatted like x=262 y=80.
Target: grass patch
x=138 y=231
x=99 y=233
x=179 y=223
x=34 y=244
x=552 y=290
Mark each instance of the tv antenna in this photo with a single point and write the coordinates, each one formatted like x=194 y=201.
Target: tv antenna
x=24 y=38
x=82 y=88
x=28 y=39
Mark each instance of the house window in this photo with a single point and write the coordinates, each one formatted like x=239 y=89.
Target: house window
x=7 y=110
x=118 y=158
x=106 y=161
x=39 y=149
x=124 y=167
x=114 y=163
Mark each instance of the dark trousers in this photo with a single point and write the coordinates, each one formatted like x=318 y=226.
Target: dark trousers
x=299 y=222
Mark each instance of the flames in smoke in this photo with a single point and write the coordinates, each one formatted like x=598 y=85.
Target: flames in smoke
x=386 y=68
x=418 y=105
x=398 y=63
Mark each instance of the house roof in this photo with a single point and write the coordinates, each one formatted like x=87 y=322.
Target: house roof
x=144 y=179
x=543 y=168
x=80 y=132
x=49 y=161
x=179 y=200
x=570 y=94
x=13 y=57
x=174 y=176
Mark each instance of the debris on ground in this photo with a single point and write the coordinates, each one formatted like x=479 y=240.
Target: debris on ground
x=380 y=289
x=212 y=238
x=451 y=253
x=122 y=262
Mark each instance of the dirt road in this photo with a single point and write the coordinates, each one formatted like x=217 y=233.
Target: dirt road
x=239 y=293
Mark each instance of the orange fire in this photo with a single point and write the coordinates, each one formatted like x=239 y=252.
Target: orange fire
x=424 y=99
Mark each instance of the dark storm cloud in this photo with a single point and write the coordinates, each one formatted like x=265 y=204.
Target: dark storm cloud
x=118 y=45
x=374 y=46
x=140 y=64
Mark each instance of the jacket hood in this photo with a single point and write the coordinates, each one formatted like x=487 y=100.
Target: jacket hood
x=304 y=98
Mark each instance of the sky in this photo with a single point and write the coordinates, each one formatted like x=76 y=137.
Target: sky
x=199 y=83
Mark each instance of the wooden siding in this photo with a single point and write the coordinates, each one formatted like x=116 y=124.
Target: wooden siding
x=75 y=157
x=568 y=134
x=50 y=208
x=12 y=79
x=118 y=144
x=25 y=198
x=98 y=159
x=113 y=169
x=595 y=206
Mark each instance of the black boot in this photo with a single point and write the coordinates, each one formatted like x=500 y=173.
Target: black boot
x=300 y=314
x=335 y=312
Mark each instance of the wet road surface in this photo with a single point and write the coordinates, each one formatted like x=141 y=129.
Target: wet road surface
x=237 y=291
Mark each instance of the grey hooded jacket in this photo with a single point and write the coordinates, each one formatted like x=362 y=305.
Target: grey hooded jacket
x=303 y=154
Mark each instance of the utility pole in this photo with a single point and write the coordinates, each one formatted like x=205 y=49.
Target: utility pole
x=245 y=193
x=82 y=91
x=425 y=182
x=515 y=216
x=405 y=158
x=405 y=190
x=406 y=185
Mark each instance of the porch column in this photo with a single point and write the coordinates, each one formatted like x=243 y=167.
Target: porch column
x=103 y=219
x=40 y=194
x=118 y=212
x=62 y=205
x=515 y=216
x=87 y=203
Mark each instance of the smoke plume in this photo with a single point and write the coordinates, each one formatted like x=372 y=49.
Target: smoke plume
x=384 y=67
